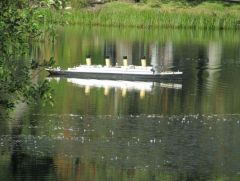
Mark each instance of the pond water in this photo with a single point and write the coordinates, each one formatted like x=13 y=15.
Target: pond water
x=121 y=130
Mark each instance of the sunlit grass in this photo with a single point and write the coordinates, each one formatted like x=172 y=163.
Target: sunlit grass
x=202 y=16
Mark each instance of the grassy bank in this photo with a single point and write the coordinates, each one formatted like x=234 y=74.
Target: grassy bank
x=169 y=15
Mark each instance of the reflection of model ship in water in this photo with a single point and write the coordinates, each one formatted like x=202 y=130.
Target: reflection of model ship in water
x=119 y=85
x=130 y=85
x=125 y=72
x=124 y=86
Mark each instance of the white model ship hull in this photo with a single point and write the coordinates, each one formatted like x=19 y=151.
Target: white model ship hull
x=133 y=73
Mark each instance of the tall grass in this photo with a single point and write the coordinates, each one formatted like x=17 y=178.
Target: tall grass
x=124 y=14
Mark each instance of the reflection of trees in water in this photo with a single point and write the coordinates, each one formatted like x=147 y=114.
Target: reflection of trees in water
x=214 y=60
x=139 y=50
x=16 y=162
x=206 y=64
x=199 y=150
x=156 y=53
x=205 y=87
x=187 y=149
x=123 y=48
x=161 y=55
x=110 y=50
x=179 y=147
x=22 y=164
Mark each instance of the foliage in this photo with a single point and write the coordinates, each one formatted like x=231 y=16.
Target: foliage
x=79 y=3
x=18 y=28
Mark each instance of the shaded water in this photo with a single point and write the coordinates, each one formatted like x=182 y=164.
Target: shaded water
x=119 y=130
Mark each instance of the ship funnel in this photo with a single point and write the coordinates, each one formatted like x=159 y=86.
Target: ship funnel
x=88 y=60
x=143 y=61
x=125 y=61
x=107 y=61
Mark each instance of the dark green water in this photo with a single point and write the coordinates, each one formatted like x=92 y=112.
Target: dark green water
x=101 y=130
